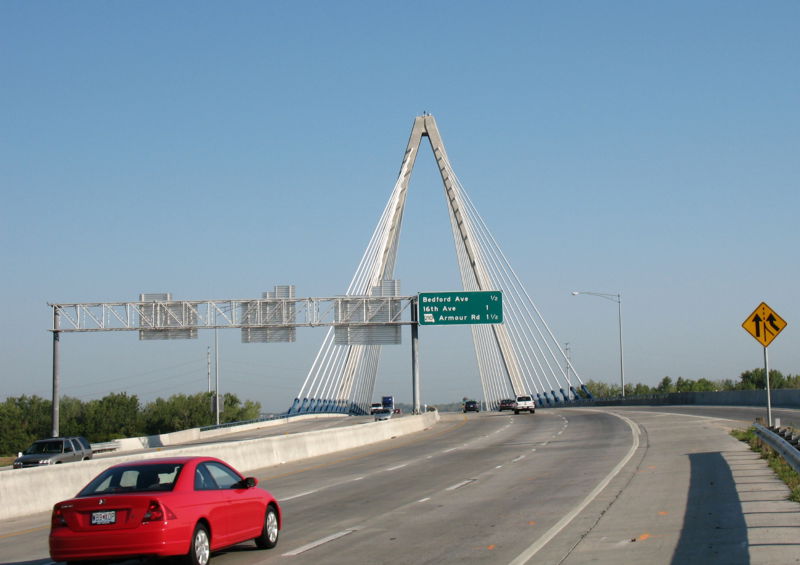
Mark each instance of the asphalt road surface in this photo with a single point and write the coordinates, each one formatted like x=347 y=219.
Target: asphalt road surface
x=572 y=486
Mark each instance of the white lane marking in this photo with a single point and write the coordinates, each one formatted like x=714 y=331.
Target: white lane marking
x=534 y=449
x=534 y=548
x=461 y=484
x=397 y=467
x=518 y=458
x=358 y=478
x=449 y=450
x=679 y=414
x=319 y=542
x=499 y=467
x=426 y=499
x=285 y=498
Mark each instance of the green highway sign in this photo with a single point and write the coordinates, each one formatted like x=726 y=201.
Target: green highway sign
x=460 y=307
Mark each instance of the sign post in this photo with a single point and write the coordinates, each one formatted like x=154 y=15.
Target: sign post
x=764 y=325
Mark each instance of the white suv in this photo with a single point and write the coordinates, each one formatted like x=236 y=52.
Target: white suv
x=524 y=403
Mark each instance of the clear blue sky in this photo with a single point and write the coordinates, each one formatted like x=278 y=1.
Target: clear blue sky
x=213 y=149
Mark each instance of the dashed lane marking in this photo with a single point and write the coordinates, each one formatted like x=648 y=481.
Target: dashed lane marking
x=292 y=497
x=461 y=484
x=320 y=542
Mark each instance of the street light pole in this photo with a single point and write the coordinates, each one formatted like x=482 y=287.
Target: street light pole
x=618 y=299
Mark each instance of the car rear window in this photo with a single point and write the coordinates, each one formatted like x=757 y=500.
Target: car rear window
x=524 y=398
x=55 y=446
x=134 y=478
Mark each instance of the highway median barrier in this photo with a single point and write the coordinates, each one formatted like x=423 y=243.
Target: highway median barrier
x=37 y=489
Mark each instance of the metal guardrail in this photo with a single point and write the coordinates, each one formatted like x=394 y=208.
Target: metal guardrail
x=105 y=446
x=788 y=451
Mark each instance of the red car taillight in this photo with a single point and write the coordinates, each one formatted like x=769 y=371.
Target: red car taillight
x=57 y=519
x=156 y=512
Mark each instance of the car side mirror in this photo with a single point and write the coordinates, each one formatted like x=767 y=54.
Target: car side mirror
x=247 y=482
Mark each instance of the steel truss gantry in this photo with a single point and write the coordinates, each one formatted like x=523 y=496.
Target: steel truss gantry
x=180 y=319
x=223 y=314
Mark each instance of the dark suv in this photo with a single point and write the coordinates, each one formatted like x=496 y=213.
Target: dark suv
x=472 y=406
x=53 y=451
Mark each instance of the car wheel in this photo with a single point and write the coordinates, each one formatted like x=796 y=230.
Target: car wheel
x=200 y=547
x=269 y=533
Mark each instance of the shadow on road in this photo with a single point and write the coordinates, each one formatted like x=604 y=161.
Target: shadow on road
x=714 y=528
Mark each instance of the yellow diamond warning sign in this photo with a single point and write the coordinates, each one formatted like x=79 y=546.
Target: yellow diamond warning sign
x=764 y=324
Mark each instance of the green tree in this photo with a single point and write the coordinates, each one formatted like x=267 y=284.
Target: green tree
x=23 y=420
x=114 y=416
x=179 y=412
x=234 y=411
x=705 y=385
x=665 y=386
x=754 y=380
x=601 y=389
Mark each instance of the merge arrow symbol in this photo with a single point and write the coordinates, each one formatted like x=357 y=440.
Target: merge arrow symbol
x=771 y=320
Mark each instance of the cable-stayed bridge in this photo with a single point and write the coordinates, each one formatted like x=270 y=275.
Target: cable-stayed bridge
x=520 y=356
x=516 y=357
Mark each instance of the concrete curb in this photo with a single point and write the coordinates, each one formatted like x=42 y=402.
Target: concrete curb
x=36 y=489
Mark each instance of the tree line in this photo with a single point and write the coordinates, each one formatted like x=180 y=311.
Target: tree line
x=748 y=380
x=25 y=419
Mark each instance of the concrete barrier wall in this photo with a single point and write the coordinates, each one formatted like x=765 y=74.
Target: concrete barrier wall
x=37 y=489
x=185 y=436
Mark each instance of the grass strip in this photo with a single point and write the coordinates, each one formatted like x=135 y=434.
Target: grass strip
x=778 y=464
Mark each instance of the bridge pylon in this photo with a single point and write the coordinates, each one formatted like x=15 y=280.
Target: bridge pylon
x=520 y=356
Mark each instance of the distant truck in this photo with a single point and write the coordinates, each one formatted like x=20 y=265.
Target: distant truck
x=374 y=407
x=387 y=402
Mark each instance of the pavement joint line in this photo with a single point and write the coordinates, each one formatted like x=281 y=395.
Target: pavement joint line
x=536 y=546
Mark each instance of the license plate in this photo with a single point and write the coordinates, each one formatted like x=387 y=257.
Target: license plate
x=101 y=518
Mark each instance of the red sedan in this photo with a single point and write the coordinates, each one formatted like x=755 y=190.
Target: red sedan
x=187 y=506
